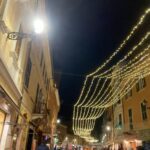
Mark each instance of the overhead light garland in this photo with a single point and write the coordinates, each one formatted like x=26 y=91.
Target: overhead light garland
x=102 y=89
x=132 y=32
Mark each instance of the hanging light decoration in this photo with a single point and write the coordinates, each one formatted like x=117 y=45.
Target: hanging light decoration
x=104 y=87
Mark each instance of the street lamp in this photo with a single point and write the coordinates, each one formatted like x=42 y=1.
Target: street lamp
x=38 y=25
x=66 y=138
x=108 y=128
x=110 y=134
x=58 y=121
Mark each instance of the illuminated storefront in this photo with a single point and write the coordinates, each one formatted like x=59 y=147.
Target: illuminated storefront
x=2 y=120
x=132 y=144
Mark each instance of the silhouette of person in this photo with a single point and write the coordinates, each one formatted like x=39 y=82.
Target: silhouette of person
x=43 y=146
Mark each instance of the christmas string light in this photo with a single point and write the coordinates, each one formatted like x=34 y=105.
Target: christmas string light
x=141 y=20
x=92 y=119
x=128 y=55
x=92 y=103
x=123 y=43
x=90 y=123
x=125 y=57
x=125 y=70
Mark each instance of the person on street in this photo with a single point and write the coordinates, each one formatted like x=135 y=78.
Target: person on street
x=43 y=146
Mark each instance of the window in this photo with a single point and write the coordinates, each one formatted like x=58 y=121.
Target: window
x=37 y=92
x=45 y=78
x=130 y=119
x=19 y=42
x=43 y=70
x=39 y=102
x=40 y=105
x=115 y=105
x=120 y=120
x=144 y=111
x=128 y=94
x=141 y=84
x=119 y=102
x=37 y=99
x=28 y=72
x=128 y=91
x=28 y=66
x=41 y=62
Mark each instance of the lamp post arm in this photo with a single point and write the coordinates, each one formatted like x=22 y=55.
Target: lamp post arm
x=19 y=35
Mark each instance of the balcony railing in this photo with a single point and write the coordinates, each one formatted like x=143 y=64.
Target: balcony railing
x=40 y=108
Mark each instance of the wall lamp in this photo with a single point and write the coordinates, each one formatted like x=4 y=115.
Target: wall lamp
x=38 y=26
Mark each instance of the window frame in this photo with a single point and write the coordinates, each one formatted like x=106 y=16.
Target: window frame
x=120 y=120
x=28 y=74
x=130 y=118
x=41 y=61
x=141 y=84
x=144 y=113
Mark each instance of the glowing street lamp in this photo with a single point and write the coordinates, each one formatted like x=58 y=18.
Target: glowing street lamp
x=58 y=121
x=38 y=27
x=108 y=128
x=66 y=138
x=75 y=140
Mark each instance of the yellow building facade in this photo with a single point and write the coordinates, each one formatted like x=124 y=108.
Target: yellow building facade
x=136 y=112
x=129 y=119
x=28 y=96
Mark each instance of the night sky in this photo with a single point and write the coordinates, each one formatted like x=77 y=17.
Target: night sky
x=82 y=34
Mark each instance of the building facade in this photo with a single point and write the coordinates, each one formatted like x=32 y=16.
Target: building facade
x=137 y=113
x=29 y=100
x=130 y=119
x=61 y=132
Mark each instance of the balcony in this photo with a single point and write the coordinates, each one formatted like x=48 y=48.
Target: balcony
x=40 y=111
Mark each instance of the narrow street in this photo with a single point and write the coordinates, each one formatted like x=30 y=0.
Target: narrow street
x=74 y=75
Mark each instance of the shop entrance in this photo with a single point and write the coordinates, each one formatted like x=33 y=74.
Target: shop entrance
x=30 y=139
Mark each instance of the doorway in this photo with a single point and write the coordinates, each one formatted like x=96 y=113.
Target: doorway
x=29 y=139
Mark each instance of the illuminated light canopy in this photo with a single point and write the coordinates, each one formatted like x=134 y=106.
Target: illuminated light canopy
x=105 y=87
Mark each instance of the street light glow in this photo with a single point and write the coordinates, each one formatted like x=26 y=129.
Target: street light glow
x=38 y=26
x=108 y=128
x=66 y=138
x=58 y=121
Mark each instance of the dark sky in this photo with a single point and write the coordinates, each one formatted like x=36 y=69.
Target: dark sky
x=83 y=33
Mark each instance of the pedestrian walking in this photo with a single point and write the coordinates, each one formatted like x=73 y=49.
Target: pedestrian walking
x=55 y=147
x=43 y=146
